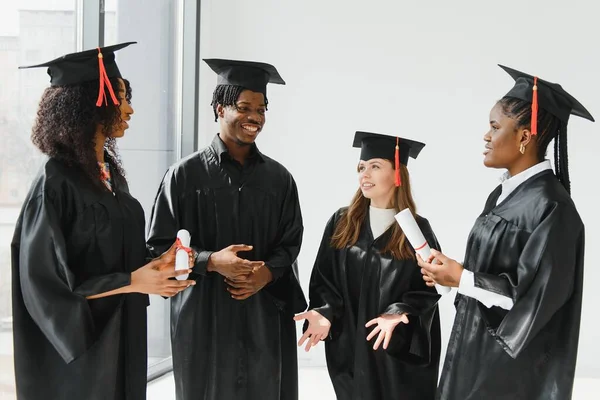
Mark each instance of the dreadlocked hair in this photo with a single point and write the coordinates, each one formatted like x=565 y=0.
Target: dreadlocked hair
x=549 y=127
x=227 y=95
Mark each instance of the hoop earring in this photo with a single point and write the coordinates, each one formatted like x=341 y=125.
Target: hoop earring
x=522 y=148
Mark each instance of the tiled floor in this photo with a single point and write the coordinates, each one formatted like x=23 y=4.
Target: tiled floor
x=315 y=385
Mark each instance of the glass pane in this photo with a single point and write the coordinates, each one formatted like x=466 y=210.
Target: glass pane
x=31 y=31
x=146 y=142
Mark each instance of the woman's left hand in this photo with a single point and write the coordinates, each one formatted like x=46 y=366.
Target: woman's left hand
x=385 y=327
x=446 y=272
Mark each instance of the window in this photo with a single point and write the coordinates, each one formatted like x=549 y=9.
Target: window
x=147 y=149
x=34 y=31
x=31 y=32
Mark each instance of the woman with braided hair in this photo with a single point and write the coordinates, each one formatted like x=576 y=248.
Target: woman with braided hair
x=518 y=307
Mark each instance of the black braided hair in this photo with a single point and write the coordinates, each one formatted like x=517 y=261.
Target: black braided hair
x=549 y=127
x=227 y=95
x=560 y=157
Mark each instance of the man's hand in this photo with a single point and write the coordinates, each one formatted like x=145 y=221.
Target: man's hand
x=227 y=263
x=247 y=285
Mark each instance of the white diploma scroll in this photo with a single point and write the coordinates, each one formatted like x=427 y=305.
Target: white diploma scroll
x=417 y=240
x=181 y=256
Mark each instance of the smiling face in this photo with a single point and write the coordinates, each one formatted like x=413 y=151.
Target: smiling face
x=377 y=181
x=243 y=122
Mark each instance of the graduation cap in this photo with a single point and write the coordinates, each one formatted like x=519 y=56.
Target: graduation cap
x=248 y=74
x=393 y=148
x=88 y=65
x=547 y=95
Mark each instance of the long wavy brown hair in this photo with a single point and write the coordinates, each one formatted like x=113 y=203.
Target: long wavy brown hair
x=350 y=223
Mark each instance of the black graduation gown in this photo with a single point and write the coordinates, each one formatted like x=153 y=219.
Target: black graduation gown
x=354 y=285
x=225 y=348
x=530 y=248
x=73 y=240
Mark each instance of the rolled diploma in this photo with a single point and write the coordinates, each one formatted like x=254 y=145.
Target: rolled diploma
x=181 y=256
x=416 y=239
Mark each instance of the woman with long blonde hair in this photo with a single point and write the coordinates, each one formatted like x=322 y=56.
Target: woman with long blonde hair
x=368 y=302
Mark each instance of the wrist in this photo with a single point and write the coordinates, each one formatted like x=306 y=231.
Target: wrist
x=455 y=280
x=210 y=265
x=268 y=274
x=132 y=283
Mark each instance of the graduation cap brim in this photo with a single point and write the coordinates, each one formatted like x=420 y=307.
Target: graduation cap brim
x=376 y=145
x=551 y=96
x=82 y=66
x=248 y=74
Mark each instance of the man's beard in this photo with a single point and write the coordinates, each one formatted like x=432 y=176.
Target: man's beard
x=242 y=144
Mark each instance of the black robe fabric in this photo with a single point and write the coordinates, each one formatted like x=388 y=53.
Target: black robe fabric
x=73 y=240
x=354 y=285
x=225 y=348
x=530 y=247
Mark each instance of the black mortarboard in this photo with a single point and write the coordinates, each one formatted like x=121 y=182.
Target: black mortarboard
x=393 y=148
x=88 y=65
x=547 y=95
x=248 y=74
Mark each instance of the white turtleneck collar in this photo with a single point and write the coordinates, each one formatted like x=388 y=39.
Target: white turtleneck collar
x=381 y=219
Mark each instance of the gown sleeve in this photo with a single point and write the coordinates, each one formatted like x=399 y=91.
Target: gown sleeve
x=413 y=341
x=56 y=303
x=165 y=222
x=324 y=292
x=543 y=280
x=289 y=240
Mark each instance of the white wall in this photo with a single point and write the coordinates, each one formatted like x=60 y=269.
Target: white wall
x=423 y=70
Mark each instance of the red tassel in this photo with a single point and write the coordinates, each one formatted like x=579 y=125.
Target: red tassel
x=179 y=245
x=397 y=166
x=534 y=108
x=104 y=81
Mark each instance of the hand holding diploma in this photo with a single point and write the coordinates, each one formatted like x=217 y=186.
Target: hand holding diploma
x=447 y=273
x=414 y=235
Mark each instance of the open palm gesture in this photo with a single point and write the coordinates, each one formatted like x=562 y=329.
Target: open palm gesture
x=385 y=325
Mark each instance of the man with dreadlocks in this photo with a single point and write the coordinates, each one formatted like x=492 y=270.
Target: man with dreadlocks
x=234 y=336
x=518 y=310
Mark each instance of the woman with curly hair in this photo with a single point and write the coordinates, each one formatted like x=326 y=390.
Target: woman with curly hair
x=80 y=275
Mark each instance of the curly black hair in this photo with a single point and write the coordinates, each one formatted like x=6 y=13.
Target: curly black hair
x=227 y=95
x=549 y=127
x=66 y=124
